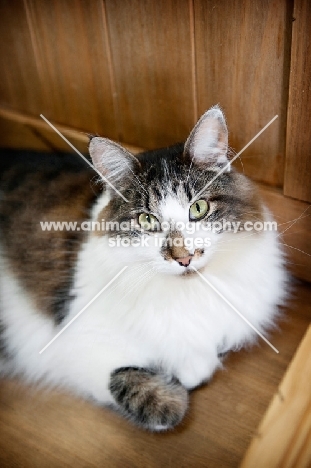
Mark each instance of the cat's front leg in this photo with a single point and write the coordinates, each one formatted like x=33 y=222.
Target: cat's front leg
x=149 y=398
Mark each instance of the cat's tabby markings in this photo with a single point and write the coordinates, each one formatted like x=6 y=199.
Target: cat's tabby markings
x=149 y=398
x=158 y=331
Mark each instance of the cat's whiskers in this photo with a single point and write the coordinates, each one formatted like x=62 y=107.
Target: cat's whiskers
x=287 y=222
x=268 y=254
x=294 y=221
x=279 y=236
x=254 y=233
x=295 y=248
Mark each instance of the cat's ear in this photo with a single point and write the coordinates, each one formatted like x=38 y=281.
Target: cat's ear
x=111 y=159
x=208 y=142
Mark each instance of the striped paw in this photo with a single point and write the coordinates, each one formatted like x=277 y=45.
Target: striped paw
x=149 y=398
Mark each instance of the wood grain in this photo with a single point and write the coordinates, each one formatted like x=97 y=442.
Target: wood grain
x=297 y=182
x=242 y=56
x=51 y=429
x=141 y=72
x=284 y=435
x=24 y=131
x=152 y=61
x=20 y=85
x=69 y=44
x=20 y=136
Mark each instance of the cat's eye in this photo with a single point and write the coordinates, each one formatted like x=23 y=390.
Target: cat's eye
x=198 y=209
x=148 y=222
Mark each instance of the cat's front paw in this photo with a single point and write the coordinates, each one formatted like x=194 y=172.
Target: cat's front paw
x=149 y=398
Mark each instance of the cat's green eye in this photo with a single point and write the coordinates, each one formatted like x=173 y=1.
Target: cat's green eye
x=198 y=209
x=148 y=222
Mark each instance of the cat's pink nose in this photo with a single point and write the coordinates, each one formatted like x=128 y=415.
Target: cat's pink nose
x=185 y=261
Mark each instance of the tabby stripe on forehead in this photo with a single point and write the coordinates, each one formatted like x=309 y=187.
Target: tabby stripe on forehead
x=157 y=192
x=187 y=190
x=147 y=201
x=175 y=185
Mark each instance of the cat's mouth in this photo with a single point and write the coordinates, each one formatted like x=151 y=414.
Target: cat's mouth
x=188 y=272
x=187 y=268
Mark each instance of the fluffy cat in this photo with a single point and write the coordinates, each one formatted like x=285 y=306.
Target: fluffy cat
x=158 y=330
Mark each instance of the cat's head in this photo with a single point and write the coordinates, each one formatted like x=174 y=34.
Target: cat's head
x=170 y=205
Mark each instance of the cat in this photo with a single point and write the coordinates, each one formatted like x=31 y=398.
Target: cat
x=158 y=330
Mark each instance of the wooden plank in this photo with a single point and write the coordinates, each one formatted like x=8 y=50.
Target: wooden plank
x=152 y=59
x=298 y=142
x=24 y=131
x=242 y=56
x=20 y=86
x=72 y=58
x=284 y=435
x=20 y=136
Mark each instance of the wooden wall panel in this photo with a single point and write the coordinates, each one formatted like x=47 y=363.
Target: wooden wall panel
x=151 y=44
x=72 y=50
x=21 y=136
x=20 y=86
x=242 y=56
x=298 y=142
x=24 y=131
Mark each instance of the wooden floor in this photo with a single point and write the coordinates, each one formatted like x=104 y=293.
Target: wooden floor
x=49 y=429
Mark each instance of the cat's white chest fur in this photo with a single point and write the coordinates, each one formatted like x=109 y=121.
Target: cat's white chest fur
x=147 y=319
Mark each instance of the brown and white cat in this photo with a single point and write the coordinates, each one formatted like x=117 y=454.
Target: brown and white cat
x=158 y=330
